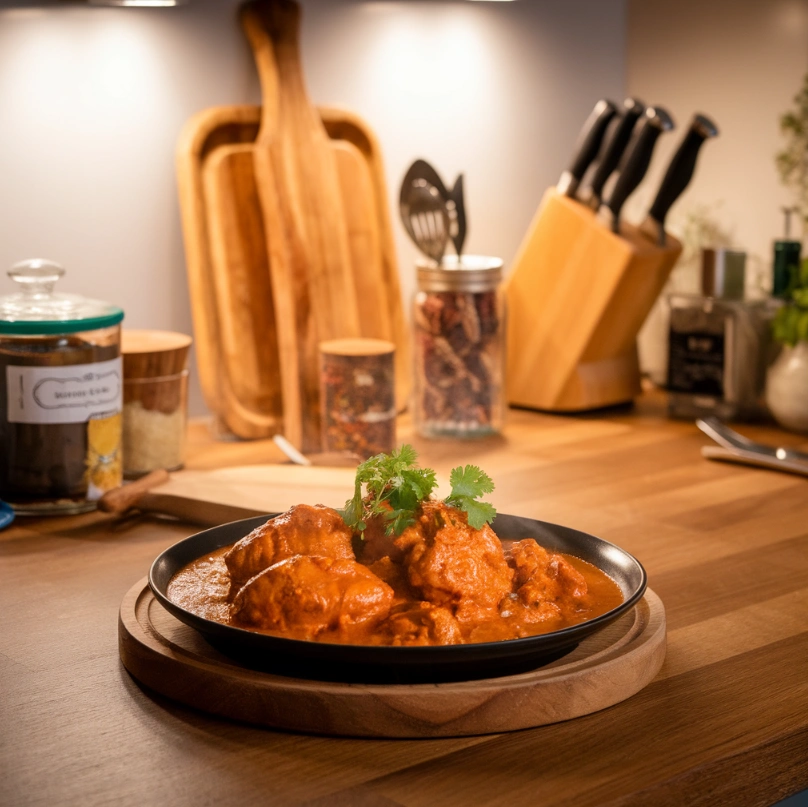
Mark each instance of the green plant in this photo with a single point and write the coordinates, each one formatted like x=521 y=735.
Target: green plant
x=792 y=161
x=790 y=324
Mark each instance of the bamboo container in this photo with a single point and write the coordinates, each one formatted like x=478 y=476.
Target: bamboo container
x=357 y=396
x=155 y=400
x=577 y=297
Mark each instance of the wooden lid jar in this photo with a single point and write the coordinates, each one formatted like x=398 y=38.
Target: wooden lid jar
x=155 y=400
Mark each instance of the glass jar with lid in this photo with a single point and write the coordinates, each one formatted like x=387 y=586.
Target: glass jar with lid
x=60 y=395
x=459 y=347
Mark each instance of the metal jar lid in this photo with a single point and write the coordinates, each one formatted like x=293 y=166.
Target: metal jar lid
x=723 y=273
x=469 y=273
x=37 y=310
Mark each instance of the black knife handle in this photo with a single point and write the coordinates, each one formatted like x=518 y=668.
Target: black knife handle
x=588 y=145
x=615 y=147
x=638 y=158
x=682 y=165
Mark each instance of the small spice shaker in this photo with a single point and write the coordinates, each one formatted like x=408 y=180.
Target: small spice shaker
x=155 y=400
x=357 y=396
x=459 y=347
x=60 y=395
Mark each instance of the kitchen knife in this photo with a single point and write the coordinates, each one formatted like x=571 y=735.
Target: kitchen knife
x=587 y=147
x=635 y=164
x=614 y=148
x=679 y=173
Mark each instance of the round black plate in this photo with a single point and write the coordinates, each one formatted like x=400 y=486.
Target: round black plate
x=371 y=664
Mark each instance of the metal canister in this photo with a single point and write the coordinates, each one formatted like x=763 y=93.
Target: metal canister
x=459 y=347
x=61 y=384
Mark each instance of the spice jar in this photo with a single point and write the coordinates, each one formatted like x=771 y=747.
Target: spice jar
x=459 y=347
x=155 y=400
x=357 y=396
x=60 y=395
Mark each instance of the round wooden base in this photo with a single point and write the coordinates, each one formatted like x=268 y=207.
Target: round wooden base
x=171 y=658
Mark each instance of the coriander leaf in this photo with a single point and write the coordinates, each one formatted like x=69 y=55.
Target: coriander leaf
x=394 y=487
x=470 y=481
x=478 y=513
x=468 y=484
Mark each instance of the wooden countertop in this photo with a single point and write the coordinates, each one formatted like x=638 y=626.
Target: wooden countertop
x=724 y=723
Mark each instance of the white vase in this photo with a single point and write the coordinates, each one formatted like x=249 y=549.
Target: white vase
x=787 y=388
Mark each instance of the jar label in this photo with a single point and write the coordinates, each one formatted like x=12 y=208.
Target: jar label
x=696 y=363
x=71 y=394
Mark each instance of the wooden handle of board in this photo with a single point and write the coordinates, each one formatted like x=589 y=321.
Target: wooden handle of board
x=138 y=495
x=120 y=500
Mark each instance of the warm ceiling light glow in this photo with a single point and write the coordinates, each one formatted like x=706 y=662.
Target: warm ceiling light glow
x=149 y=3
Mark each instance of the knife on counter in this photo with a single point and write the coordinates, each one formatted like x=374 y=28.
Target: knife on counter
x=614 y=149
x=589 y=142
x=635 y=165
x=677 y=177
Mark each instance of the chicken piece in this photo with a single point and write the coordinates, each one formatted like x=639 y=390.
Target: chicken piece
x=421 y=624
x=305 y=596
x=545 y=582
x=302 y=530
x=453 y=565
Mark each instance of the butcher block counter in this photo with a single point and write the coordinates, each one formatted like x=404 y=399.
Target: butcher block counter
x=723 y=722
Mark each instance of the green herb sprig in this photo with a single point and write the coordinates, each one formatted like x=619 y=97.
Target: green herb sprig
x=394 y=486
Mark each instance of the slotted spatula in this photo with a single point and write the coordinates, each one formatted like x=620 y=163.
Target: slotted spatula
x=426 y=219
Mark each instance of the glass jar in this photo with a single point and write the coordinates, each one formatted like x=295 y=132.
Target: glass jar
x=155 y=401
x=60 y=395
x=459 y=347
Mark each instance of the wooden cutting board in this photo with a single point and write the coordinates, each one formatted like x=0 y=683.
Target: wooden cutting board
x=241 y=329
x=171 y=658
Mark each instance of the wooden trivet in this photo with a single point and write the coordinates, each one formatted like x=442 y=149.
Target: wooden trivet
x=174 y=660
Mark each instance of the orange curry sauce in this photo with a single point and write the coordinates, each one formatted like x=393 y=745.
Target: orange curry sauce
x=305 y=575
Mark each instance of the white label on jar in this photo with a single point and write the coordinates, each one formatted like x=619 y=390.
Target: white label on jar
x=69 y=394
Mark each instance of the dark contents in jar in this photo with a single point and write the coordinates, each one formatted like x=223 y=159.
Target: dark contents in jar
x=457 y=358
x=44 y=461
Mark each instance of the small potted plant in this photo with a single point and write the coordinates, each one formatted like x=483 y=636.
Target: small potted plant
x=787 y=378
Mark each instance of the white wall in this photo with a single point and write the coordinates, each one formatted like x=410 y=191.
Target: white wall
x=92 y=100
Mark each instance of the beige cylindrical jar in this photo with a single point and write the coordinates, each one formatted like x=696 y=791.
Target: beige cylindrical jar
x=155 y=400
x=459 y=347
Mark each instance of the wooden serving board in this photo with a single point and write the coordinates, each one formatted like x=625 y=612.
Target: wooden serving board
x=172 y=659
x=228 y=265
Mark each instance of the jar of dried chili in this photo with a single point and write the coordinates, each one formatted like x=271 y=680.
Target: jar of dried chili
x=459 y=347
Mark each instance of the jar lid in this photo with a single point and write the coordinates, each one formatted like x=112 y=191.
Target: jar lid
x=154 y=354
x=37 y=309
x=469 y=273
x=723 y=273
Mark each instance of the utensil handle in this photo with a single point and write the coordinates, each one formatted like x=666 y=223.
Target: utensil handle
x=638 y=159
x=615 y=148
x=681 y=168
x=589 y=142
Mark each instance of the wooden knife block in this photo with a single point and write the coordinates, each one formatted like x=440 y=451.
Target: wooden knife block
x=577 y=296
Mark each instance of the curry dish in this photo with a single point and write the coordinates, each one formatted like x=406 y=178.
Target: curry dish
x=306 y=575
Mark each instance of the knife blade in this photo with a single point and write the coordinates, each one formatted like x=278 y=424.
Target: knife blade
x=614 y=148
x=587 y=146
x=635 y=164
x=677 y=177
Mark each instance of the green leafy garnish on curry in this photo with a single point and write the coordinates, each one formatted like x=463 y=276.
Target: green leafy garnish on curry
x=392 y=486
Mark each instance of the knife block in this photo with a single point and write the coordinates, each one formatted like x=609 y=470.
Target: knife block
x=577 y=297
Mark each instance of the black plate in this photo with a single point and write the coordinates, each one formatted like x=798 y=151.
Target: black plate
x=371 y=664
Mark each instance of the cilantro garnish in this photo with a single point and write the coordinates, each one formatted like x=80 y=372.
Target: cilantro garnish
x=394 y=486
x=468 y=484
